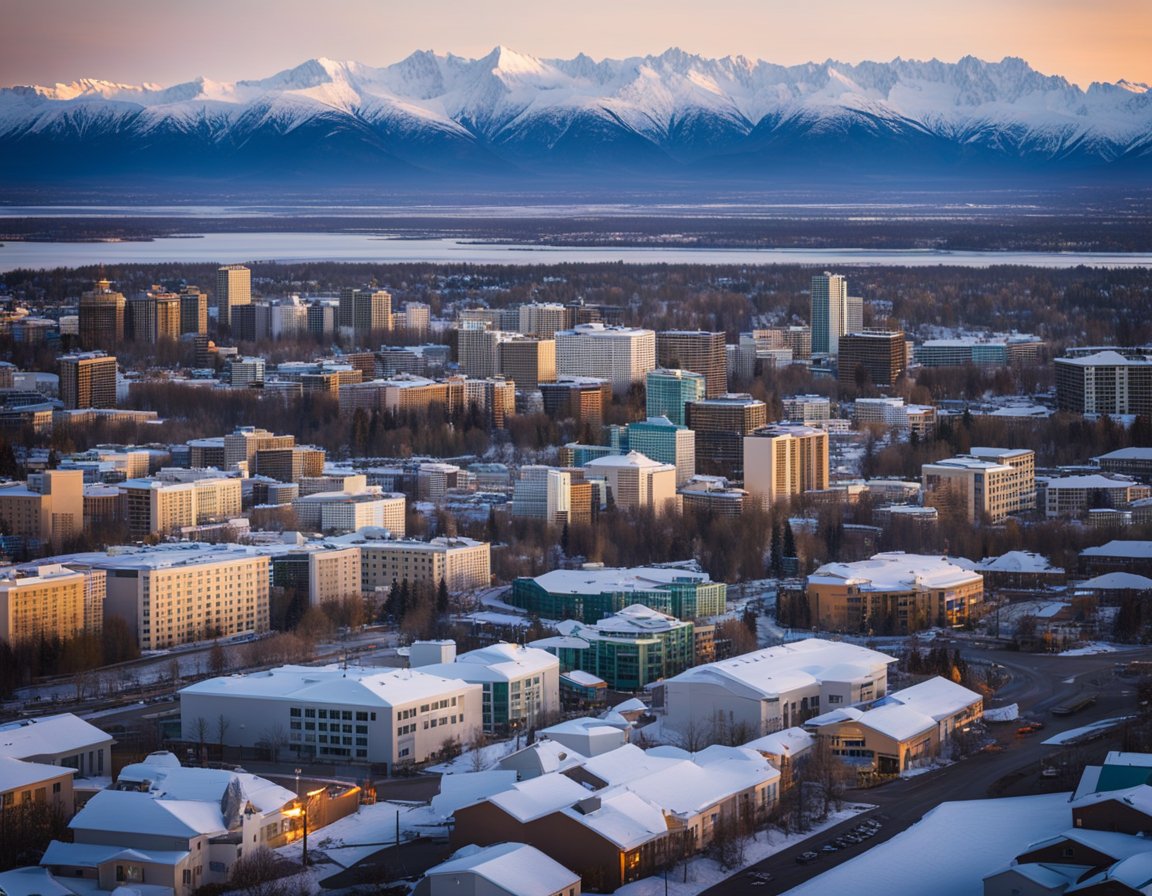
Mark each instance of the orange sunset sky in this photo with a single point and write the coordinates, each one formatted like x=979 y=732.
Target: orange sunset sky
x=168 y=41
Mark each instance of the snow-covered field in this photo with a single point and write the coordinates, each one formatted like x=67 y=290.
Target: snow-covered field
x=1090 y=649
x=949 y=851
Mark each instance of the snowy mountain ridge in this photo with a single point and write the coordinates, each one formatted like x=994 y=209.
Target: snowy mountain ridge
x=511 y=111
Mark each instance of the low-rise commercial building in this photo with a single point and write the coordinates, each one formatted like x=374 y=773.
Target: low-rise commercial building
x=590 y=594
x=395 y=716
x=892 y=593
x=774 y=688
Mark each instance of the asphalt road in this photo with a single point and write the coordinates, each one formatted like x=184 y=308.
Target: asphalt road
x=1038 y=682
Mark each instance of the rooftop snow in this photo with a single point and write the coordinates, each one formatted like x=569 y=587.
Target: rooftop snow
x=1136 y=550
x=16 y=773
x=49 y=736
x=1017 y=561
x=1117 y=581
x=773 y=670
x=895 y=571
x=598 y=581
x=937 y=697
x=513 y=868
x=332 y=684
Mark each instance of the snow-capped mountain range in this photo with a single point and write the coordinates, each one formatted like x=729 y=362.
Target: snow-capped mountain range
x=509 y=114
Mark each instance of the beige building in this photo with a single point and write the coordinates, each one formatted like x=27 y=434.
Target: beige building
x=1074 y=496
x=784 y=461
x=180 y=593
x=48 y=507
x=893 y=593
x=462 y=563
x=543 y=320
x=233 y=287
x=43 y=601
x=241 y=446
x=393 y=716
x=621 y=355
x=528 y=360
x=348 y=512
x=636 y=481
x=982 y=489
x=322 y=572
x=1023 y=461
x=156 y=507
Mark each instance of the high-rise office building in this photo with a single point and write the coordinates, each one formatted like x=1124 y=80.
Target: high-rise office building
x=873 y=356
x=665 y=442
x=154 y=316
x=101 y=317
x=670 y=390
x=527 y=360
x=698 y=351
x=478 y=348
x=783 y=461
x=720 y=425
x=233 y=287
x=1106 y=382
x=193 y=310
x=363 y=312
x=622 y=355
x=582 y=399
x=829 y=312
x=543 y=320
x=88 y=380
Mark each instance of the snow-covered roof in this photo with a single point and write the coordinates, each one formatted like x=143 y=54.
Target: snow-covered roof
x=546 y=754
x=1089 y=481
x=528 y=800
x=578 y=676
x=497 y=662
x=49 y=736
x=470 y=787
x=1117 y=581
x=1126 y=454
x=937 y=697
x=131 y=812
x=1134 y=872
x=622 y=817
x=1138 y=797
x=835 y=717
x=788 y=742
x=631 y=623
x=1050 y=876
x=16 y=773
x=89 y=855
x=895 y=571
x=1110 y=843
x=599 y=581
x=588 y=727
x=769 y=672
x=32 y=880
x=898 y=722
x=1136 y=550
x=332 y=684
x=1017 y=561
x=513 y=867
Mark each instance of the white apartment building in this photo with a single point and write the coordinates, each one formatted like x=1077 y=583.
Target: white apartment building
x=393 y=716
x=41 y=601
x=777 y=687
x=985 y=489
x=622 y=355
x=543 y=493
x=895 y=414
x=783 y=461
x=347 y=512
x=521 y=684
x=807 y=409
x=1073 y=496
x=637 y=481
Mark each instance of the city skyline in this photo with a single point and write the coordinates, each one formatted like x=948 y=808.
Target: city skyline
x=130 y=41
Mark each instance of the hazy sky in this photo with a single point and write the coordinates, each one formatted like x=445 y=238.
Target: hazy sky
x=168 y=41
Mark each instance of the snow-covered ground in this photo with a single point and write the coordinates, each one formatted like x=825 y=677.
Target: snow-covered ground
x=949 y=851
x=1009 y=713
x=704 y=873
x=1085 y=731
x=1091 y=648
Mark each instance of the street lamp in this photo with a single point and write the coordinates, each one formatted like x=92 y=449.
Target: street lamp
x=297 y=783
